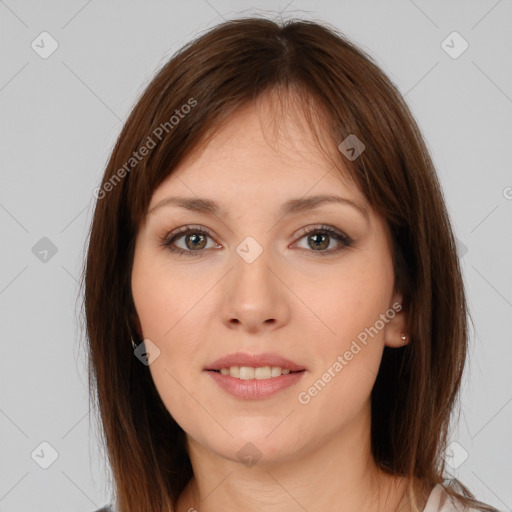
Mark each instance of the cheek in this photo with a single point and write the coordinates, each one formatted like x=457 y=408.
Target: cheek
x=349 y=347
x=348 y=301
x=348 y=352
x=167 y=305
x=172 y=311
x=162 y=294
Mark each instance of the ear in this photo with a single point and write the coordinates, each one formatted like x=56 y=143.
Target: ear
x=397 y=325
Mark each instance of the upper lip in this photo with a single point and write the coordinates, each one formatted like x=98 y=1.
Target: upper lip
x=254 y=360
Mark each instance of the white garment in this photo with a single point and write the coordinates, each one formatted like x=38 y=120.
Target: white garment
x=440 y=501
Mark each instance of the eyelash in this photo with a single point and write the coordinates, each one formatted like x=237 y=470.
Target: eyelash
x=168 y=240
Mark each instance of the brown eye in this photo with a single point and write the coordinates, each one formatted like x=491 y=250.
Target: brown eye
x=319 y=239
x=195 y=240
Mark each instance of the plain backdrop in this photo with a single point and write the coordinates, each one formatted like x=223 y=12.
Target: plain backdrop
x=60 y=116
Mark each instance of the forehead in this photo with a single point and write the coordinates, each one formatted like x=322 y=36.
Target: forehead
x=259 y=154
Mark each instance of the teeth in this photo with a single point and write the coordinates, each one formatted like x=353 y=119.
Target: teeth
x=248 y=373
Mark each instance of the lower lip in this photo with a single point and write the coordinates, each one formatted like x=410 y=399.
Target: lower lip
x=255 y=389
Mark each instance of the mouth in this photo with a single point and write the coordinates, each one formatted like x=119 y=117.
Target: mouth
x=259 y=373
x=254 y=376
x=250 y=385
x=242 y=365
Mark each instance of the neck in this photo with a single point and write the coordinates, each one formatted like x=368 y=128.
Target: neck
x=312 y=479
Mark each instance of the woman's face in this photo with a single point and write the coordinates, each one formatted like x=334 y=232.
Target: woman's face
x=265 y=280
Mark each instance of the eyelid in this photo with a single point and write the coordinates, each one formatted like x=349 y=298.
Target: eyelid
x=174 y=235
x=178 y=233
x=320 y=227
x=343 y=239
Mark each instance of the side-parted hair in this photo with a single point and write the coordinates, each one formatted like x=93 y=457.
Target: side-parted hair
x=340 y=91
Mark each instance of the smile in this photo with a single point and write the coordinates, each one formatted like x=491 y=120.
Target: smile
x=248 y=372
x=254 y=383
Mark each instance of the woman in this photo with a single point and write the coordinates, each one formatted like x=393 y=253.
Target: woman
x=271 y=235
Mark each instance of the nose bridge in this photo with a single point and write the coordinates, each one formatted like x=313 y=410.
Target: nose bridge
x=254 y=296
x=252 y=276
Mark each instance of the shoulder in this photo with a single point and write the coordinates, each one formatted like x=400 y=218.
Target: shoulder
x=107 y=508
x=440 y=501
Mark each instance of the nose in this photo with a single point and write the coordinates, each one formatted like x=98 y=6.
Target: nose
x=254 y=296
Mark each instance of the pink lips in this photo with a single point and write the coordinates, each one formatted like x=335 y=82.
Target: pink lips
x=254 y=389
x=254 y=360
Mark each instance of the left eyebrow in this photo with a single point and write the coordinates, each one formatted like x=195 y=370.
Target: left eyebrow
x=292 y=206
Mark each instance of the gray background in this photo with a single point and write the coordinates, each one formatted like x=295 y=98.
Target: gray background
x=60 y=117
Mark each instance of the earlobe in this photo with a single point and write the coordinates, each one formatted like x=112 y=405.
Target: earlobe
x=396 y=334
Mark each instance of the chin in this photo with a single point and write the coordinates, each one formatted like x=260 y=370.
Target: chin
x=252 y=447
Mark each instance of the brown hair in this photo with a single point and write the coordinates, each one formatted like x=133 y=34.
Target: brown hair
x=340 y=91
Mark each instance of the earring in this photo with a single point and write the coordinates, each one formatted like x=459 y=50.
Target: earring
x=403 y=337
x=133 y=343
